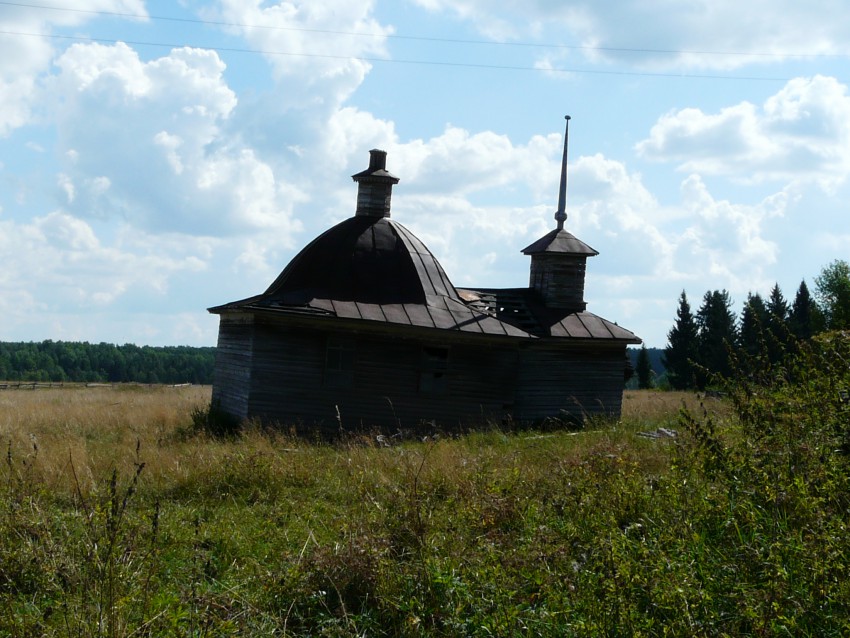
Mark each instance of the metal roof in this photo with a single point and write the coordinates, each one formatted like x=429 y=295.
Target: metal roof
x=510 y=312
x=559 y=241
x=523 y=307
x=448 y=315
x=374 y=269
x=363 y=259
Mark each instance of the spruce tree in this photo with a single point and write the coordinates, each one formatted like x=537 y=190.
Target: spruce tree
x=644 y=369
x=804 y=318
x=681 y=352
x=777 y=307
x=753 y=320
x=716 y=324
x=777 y=324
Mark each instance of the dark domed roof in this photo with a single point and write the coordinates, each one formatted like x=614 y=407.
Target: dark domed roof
x=363 y=259
x=371 y=268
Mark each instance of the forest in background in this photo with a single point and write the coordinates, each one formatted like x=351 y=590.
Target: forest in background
x=83 y=362
x=706 y=346
x=61 y=361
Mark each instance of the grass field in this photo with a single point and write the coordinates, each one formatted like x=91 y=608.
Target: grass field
x=119 y=519
x=84 y=433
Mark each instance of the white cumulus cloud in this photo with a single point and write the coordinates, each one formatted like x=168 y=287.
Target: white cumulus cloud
x=722 y=34
x=317 y=49
x=153 y=150
x=26 y=52
x=801 y=133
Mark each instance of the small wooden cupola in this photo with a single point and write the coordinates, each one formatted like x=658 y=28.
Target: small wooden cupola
x=558 y=259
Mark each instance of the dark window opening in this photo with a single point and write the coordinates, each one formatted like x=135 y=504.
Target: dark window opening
x=433 y=377
x=340 y=355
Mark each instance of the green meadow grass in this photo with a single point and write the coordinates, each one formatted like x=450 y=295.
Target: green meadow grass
x=119 y=518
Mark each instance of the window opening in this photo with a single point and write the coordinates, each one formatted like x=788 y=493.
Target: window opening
x=339 y=362
x=433 y=377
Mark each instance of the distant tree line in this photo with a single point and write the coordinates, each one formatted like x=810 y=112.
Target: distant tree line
x=59 y=361
x=701 y=345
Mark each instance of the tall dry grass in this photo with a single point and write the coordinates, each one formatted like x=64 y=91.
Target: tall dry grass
x=74 y=435
x=70 y=438
x=641 y=407
x=599 y=531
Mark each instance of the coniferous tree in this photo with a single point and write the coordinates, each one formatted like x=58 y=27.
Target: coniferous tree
x=777 y=307
x=681 y=352
x=777 y=324
x=804 y=318
x=644 y=369
x=753 y=320
x=716 y=324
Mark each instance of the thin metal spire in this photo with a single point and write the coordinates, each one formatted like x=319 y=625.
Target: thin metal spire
x=561 y=213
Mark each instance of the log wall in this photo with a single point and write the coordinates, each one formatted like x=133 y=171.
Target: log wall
x=282 y=372
x=569 y=380
x=232 y=377
x=395 y=383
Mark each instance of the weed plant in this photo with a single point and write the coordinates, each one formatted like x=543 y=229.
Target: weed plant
x=119 y=516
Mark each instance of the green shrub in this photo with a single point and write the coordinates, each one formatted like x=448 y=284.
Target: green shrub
x=215 y=422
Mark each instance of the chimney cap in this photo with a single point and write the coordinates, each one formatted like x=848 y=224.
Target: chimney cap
x=377 y=171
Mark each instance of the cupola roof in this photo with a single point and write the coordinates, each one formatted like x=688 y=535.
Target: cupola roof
x=364 y=259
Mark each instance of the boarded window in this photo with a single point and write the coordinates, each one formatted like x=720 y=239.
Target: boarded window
x=339 y=362
x=433 y=377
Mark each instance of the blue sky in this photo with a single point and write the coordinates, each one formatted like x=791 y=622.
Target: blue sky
x=160 y=158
